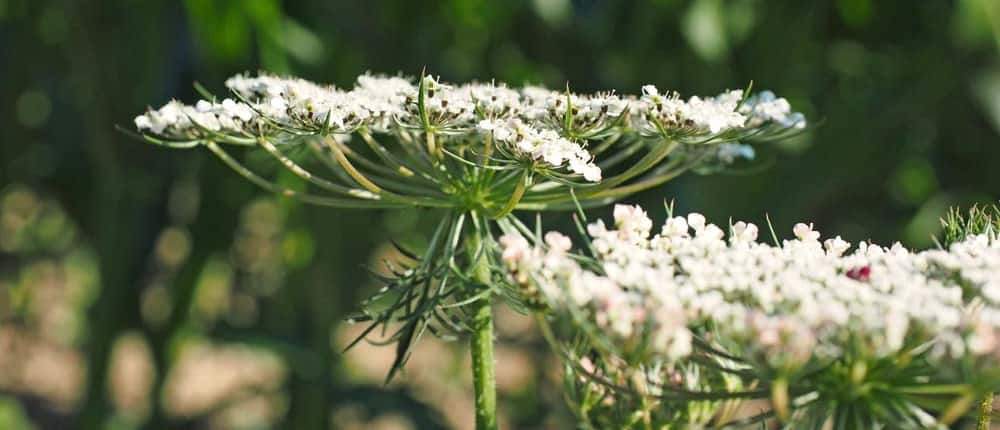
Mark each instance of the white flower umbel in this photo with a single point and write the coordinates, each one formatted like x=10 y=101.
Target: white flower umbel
x=750 y=290
x=478 y=151
x=783 y=312
x=543 y=130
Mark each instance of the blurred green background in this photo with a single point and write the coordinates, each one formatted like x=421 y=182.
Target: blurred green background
x=149 y=288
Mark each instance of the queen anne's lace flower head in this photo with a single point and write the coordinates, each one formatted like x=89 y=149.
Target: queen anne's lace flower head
x=781 y=305
x=559 y=139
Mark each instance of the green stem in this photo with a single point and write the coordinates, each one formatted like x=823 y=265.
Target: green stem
x=481 y=344
x=515 y=197
x=779 y=398
x=985 y=412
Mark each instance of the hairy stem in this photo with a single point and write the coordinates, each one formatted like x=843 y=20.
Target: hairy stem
x=484 y=382
x=985 y=412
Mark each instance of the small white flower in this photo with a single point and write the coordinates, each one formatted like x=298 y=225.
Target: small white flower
x=805 y=232
x=203 y=106
x=558 y=242
x=633 y=221
x=515 y=249
x=696 y=221
x=836 y=246
x=744 y=232
x=675 y=227
x=142 y=123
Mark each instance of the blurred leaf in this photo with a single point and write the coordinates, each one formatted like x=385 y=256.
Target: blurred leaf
x=741 y=16
x=298 y=248
x=554 y=12
x=12 y=416
x=301 y=43
x=222 y=28
x=976 y=23
x=268 y=21
x=856 y=13
x=913 y=181
x=705 y=30
x=986 y=90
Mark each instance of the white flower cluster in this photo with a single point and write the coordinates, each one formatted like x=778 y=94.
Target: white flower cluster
x=303 y=104
x=176 y=117
x=589 y=114
x=715 y=115
x=778 y=305
x=544 y=145
x=766 y=107
x=534 y=123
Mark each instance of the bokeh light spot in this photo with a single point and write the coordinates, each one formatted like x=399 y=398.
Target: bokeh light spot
x=33 y=108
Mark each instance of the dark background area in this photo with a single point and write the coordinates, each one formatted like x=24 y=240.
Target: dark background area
x=146 y=287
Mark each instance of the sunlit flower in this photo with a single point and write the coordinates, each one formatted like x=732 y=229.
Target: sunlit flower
x=784 y=304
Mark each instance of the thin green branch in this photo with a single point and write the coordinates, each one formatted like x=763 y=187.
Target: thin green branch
x=302 y=172
x=372 y=202
x=515 y=197
x=362 y=180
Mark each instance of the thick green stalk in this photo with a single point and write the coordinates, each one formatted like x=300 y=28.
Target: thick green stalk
x=481 y=344
x=985 y=412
